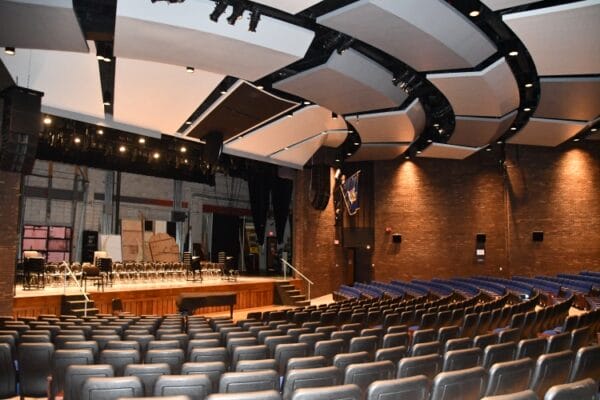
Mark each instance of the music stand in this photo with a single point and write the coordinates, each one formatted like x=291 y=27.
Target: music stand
x=195 y=269
x=33 y=266
x=104 y=264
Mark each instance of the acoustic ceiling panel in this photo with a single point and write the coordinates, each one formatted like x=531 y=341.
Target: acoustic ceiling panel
x=285 y=132
x=394 y=126
x=289 y=6
x=574 y=98
x=478 y=131
x=70 y=81
x=442 y=150
x=378 y=151
x=183 y=34
x=491 y=92
x=502 y=4
x=428 y=35
x=158 y=96
x=563 y=40
x=546 y=132
x=346 y=83
x=40 y=24
x=242 y=109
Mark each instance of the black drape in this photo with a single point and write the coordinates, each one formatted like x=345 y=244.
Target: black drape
x=281 y=196
x=258 y=190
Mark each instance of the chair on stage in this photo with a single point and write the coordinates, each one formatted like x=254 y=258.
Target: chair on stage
x=33 y=270
x=104 y=264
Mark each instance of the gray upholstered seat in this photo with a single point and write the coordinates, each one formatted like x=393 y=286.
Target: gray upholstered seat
x=412 y=388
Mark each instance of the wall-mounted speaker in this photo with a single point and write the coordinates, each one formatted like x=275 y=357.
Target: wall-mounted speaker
x=537 y=236
x=320 y=183
x=178 y=216
x=480 y=238
x=396 y=238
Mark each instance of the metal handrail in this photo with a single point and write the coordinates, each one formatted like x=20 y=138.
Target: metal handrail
x=310 y=283
x=69 y=272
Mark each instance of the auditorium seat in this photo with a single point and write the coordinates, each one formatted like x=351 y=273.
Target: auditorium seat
x=213 y=370
x=428 y=365
x=558 y=342
x=345 y=392
x=462 y=359
x=501 y=352
x=580 y=337
x=585 y=389
x=102 y=340
x=263 y=334
x=364 y=374
x=310 y=377
x=344 y=359
x=35 y=364
x=509 y=335
x=61 y=360
x=96 y=388
x=204 y=354
x=164 y=344
x=469 y=325
x=412 y=388
x=482 y=341
x=523 y=395
x=256 y=352
x=305 y=362
x=424 y=348
x=196 y=387
x=458 y=344
x=256 y=365
x=310 y=339
x=551 y=369
x=510 y=376
x=142 y=339
x=393 y=354
x=148 y=374
x=236 y=382
x=60 y=340
x=8 y=377
x=466 y=384
x=119 y=359
x=447 y=332
x=285 y=351
x=532 y=348
x=272 y=341
x=586 y=364
x=328 y=348
x=76 y=375
x=173 y=357
x=423 y=336
x=262 y=395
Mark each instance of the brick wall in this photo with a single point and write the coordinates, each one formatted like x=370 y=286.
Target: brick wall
x=9 y=213
x=438 y=206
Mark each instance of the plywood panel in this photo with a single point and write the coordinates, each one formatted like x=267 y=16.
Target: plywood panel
x=163 y=248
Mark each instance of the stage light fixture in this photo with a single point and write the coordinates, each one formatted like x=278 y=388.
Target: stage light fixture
x=156 y=155
x=238 y=10
x=254 y=19
x=47 y=120
x=220 y=8
x=474 y=13
x=100 y=132
x=189 y=70
x=10 y=51
x=122 y=149
x=77 y=140
x=183 y=149
x=141 y=140
x=513 y=53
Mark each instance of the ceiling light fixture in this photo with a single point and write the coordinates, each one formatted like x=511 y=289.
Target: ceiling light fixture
x=290 y=114
x=474 y=13
x=429 y=141
x=356 y=143
x=188 y=122
x=306 y=102
x=499 y=142
x=220 y=8
x=183 y=149
x=528 y=85
x=513 y=128
x=185 y=161
x=594 y=129
x=337 y=160
x=122 y=149
x=77 y=140
x=156 y=155
x=100 y=57
x=527 y=109
x=10 y=51
x=348 y=154
x=488 y=149
x=100 y=132
x=189 y=70
x=576 y=140
x=407 y=157
x=238 y=10
x=260 y=87
x=223 y=91
x=254 y=19
x=47 y=120
x=513 y=53
x=286 y=148
x=107 y=59
x=141 y=140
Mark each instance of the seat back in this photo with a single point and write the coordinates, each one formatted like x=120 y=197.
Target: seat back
x=119 y=359
x=523 y=395
x=462 y=359
x=559 y=342
x=76 y=375
x=236 y=382
x=273 y=341
x=458 y=344
x=8 y=377
x=364 y=374
x=495 y=353
x=447 y=332
x=310 y=377
x=364 y=343
x=344 y=359
x=532 y=348
x=255 y=365
x=423 y=336
x=396 y=339
x=428 y=365
x=257 y=352
x=421 y=349
x=111 y=388
x=585 y=389
x=346 y=392
x=412 y=388
x=305 y=362
x=209 y=354
x=551 y=369
x=35 y=364
x=62 y=359
x=587 y=364
x=328 y=348
x=148 y=374
x=469 y=325
x=393 y=354
x=510 y=376
x=482 y=341
x=196 y=387
x=173 y=357
x=262 y=395
x=509 y=335
x=283 y=352
x=466 y=384
x=580 y=337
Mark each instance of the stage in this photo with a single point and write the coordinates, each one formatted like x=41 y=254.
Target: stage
x=157 y=297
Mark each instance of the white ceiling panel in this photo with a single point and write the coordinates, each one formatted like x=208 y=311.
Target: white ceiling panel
x=378 y=151
x=182 y=34
x=289 y=6
x=286 y=132
x=574 y=98
x=478 y=131
x=346 y=83
x=428 y=35
x=37 y=24
x=562 y=40
x=491 y=92
x=394 y=126
x=300 y=154
x=70 y=81
x=546 y=132
x=158 y=96
x=495 y=5
x=442 y=150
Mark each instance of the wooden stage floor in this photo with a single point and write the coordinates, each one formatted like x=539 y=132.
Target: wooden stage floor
x=156 y=297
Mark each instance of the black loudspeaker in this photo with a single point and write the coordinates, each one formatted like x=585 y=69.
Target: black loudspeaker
x=178 y=216
x=480 y=238
x=320 y=182
x=148 y=226
x=89 y=245
x=21 y=125
x=537 y=236
x=211 y=152
x=396 y=238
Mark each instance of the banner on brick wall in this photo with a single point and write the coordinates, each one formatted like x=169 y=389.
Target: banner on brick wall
x=349 y=188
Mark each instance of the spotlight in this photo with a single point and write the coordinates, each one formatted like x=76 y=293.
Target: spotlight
x=260 y=87
x=254 y=18
x=100 y=57
x=47 y=120
x=418 y=151
x=306 y=103
x=474 y=13
x=189 y=70
x=527 y=109
x=220 y=8
x=107 y=98
x=514 y=128
x=141 y=140
x=338 y=173
x=107 y=59
x=156 y=155
x=528 y=85
x=77 y=140
x=100 y=132
x=183 y=149
x=488 y=149
x=185 y=161
x=429 y=141
x=10 y=51
x=576 y=140
x=188 y=122
x=513 y=53
x=407 y=157
x=348 y=154
x=223 y=91
x=290 y=114
x=594 y=129
x=122 y=149
x=238 y=10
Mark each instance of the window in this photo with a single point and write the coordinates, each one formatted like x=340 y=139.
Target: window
x=53 y=242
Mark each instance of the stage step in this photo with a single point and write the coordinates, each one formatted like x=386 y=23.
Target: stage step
x=75 y=304
x=287 y=294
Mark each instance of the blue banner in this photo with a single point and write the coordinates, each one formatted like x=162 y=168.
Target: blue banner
x=349 y=189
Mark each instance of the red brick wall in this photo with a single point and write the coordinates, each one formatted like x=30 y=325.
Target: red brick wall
x=9 y=212
x=438 y=206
